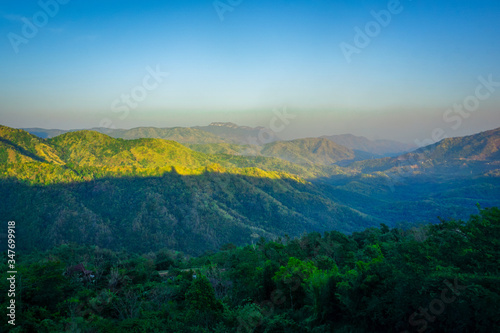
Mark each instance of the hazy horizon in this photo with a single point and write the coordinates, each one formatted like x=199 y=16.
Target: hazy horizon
x=285 y=135
x=400 y=70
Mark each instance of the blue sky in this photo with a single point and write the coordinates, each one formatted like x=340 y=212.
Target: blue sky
x=74 y=71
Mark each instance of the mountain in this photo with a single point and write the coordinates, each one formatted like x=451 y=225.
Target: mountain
x=18 y=146
x=93 y=149
x=224 y=148
x=179 y=134
x=231 y=133
x=89 y=154
x=442 y=179
x=308 y=151
x=374 y=147
x=474 y=154
x=44 y=133
x=147 y=194
x=244 y=135
x=483 y=146
x=217 y=132
x=187 y=213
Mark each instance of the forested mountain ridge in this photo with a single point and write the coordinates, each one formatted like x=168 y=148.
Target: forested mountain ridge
x=484 y=146
x=219 y=134
x=18 y=146
x=44 y=133
x=308 y=151
x=376 y=147
x=188 y=213
x=224 y=148
x=179 y=134
x=224 y=132
x=89 y=148
x=90 y=155
x=244 y=135
x=473 y=154
x=101 y=190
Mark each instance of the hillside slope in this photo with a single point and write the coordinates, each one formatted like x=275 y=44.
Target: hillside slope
x=179 y=134
x=147 y=194
x=375 y=147
x=243 y=135
x=473 y=154
x=308 y=151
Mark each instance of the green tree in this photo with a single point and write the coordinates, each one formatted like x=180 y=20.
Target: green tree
x=291 y=277
x=202 y=306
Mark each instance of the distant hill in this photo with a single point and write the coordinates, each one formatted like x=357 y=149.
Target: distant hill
x=375 y=147
x=179 y=134
x=44 y=133
x=240 y=134
x=18 y=146
x=222 y=148
x=227 y=132
x=93 y=149
x=217 y=132
x=474 y=154
x=484 y=146
x=308 y=151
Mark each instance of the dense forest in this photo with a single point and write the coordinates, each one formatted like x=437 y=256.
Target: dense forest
x=441 y=277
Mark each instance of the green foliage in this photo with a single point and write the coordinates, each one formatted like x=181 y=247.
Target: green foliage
x=88 y=155
x=438 y=278
x=179 y=134
x=201 y=305
x=445 y=157
x=308 y=151
x=220 y=148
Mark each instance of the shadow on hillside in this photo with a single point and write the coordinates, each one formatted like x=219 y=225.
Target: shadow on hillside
x=22 y=150
x=190 y=213
x=195 y=213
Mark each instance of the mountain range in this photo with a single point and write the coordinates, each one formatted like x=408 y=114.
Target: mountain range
x=227 y=132
x=145 y=194
x=474 y=154
x=308 y=151
x=376 y=147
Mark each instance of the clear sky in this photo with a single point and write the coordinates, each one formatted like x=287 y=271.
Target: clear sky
x=82 y=64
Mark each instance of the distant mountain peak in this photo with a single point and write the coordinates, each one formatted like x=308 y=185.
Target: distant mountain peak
x=473 y=154
x=233 y=126
x=234 y=133
x=224 y=124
